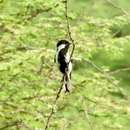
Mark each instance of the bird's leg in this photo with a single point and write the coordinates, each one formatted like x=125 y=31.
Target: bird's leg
x=70 y=76
x=63 y=78
x=66 y=83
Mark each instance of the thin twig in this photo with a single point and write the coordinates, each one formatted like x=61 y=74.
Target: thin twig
x=106 y=76
x=41 y=65
x=52 y=110
x=68 y=29
x=25 y=126
x=11 y=124
x=87 y=117
x=39 y=11
x=119 y=70
x=121 y=9
x=71 y=39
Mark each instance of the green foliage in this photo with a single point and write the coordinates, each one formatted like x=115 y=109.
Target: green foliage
x=99 y=99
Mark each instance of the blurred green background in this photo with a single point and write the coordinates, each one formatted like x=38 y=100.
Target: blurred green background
x=29 y=79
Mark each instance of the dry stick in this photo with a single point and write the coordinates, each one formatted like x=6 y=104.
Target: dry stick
x=89 y=121
x=39 y=11
x=25 y=126
x=115 y=6
x=106 y=76
x=41 y=65
x=68 y=29
x=9 y=125
x=119 y=70
x=58 y=94
x=70 y=37
x=52 y=110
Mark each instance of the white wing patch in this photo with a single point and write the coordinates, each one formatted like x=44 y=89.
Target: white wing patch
x=67 y=57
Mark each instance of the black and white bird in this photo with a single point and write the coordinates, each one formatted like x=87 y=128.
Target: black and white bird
x=62 y=58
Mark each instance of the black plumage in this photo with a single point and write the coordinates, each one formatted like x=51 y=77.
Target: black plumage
x=64 y=63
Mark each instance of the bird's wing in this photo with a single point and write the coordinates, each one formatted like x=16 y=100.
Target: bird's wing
x=67 y=57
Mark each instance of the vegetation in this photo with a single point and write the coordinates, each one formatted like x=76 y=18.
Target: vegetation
x=29 y=79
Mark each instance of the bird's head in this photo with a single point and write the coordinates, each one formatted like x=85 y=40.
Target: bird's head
x=63 y=44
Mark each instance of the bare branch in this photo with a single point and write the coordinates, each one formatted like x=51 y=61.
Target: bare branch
x=41 y=65
x=11 y=124
x=117 y=7
x=68 y=29
x=87 y=117
x=52 y=110
x=73 y=48
x=106 y=76
x=39 y=11
x=119 y=70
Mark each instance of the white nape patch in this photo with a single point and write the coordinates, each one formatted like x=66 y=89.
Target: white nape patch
x=61 y=47
x=58 y=50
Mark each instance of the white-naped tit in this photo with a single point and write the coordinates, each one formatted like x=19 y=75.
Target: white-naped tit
x=62 y=58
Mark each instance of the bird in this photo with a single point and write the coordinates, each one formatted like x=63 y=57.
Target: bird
x=63 y=59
